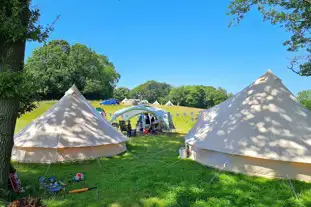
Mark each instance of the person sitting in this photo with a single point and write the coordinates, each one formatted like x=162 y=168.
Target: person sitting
x=153 y=130
x=147 y=124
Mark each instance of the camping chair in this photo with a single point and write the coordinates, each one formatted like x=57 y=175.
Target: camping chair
x=123 y=126
x=133 y=133
x=159 y=128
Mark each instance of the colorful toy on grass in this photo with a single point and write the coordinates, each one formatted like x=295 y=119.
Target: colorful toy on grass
x=78 y=177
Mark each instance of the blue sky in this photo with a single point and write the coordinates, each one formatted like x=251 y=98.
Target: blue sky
x=180 y=42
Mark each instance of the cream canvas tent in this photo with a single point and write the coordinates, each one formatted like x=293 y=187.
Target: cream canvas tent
x=156 y=103
x=131 y=102
x=169 y=103
x=124 y=101
x=144 y=102
x=262 y=131
x=70 y=130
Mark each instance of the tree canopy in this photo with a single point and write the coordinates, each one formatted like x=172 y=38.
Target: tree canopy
x=304 y=95
x=18 y=23
x=305 y=98
x=121 y=93
x=151 y=90
x=293 y=15
x=198 y=96
x=57 y=65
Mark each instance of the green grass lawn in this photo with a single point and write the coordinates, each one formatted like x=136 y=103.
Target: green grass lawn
x=182 y=123
x=151 y=174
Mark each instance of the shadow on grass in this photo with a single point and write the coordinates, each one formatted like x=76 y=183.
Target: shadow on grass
x=151 y=174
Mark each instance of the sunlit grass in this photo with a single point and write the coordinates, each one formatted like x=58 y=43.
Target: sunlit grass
x=182 y=123
x=151 y=174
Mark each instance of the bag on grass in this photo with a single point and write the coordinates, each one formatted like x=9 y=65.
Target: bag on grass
x=15 y=183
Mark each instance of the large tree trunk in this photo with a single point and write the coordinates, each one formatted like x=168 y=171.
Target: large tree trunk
x=11 y=59
x=12 y=52
x=8 y=115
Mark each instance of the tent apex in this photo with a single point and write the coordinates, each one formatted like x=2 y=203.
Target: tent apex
x=265 y=76
x=273 y=75
x=73 y=90
x=270 y=71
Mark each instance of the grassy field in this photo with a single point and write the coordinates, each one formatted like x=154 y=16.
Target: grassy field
x=182 y=123
x=151 y=174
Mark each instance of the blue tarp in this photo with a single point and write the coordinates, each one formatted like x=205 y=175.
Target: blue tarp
x=109 y=102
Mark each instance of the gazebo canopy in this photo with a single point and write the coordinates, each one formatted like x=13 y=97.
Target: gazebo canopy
x=132 y=111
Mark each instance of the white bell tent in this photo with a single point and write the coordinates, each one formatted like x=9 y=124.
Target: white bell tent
x=169 y=103
x=144 y=102
x=70 y=130
x=124 y=101
x=263 y=130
